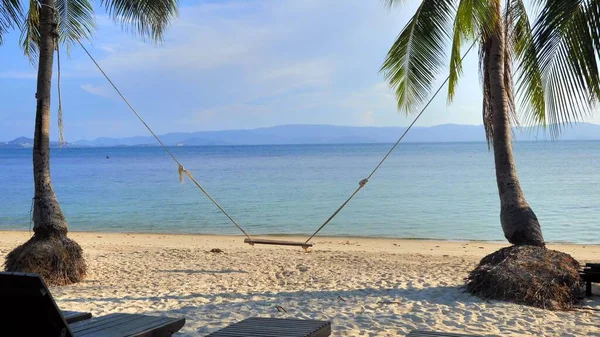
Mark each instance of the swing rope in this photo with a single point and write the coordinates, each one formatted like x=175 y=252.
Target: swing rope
x=183 y=171
x=363 y=182
x=181 y=168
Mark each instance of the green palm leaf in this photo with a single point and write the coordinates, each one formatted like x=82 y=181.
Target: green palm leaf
x=593 y=19
x=486 y=110
x=30 y=31
x=10 y=15
x=147 y=18
x=418 y=53
x=471 y=20
x=530 y=87
x=75 y=20
x=566 y=41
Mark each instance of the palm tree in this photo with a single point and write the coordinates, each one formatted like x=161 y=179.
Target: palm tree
x=44 y=26
x=556 y=76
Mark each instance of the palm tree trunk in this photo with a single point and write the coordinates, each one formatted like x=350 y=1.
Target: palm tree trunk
x=48 y=217
x=519 y=223
x=50 y=253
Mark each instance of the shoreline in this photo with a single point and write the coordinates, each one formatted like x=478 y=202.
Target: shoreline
x=432 y=247
x=303 y=237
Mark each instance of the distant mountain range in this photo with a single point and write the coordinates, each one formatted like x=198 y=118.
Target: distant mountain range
x=22 y=142
x=325 y=134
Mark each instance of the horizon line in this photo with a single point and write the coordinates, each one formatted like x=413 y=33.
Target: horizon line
x=535 y=127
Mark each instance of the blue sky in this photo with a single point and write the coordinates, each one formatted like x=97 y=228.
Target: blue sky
x=233 y=64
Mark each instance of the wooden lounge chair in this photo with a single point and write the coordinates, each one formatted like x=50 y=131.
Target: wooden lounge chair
x=75 y=316
x=423 y=333
x=275 y=327
x=589 y=274
x=28 y=309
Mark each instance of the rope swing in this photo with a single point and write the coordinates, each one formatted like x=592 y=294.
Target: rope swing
x=250 y=240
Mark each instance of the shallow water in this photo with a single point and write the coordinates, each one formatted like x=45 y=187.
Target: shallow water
x=440 y=191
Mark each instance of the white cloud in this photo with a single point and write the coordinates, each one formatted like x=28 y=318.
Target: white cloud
x=377 y=97
x=311 y=72
x=243 y=64
x=366 y=118
x=260 y=39
x=97 y=90
x=108 y=48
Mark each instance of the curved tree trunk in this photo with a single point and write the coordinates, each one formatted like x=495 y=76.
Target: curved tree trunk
x=519 y=223
x=50 y=253
x=48 y=217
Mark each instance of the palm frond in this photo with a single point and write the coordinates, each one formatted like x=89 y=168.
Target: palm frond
x=147 y=18
x=593 y=19
x=491 y=24
x=530 y=88
x=566 y=39
x=472 y=19
x=486 y=109
x=30 y=32
x=392 y=3
x=418 y=53
x=508 y=72
x=75 y=21
x=11 y=15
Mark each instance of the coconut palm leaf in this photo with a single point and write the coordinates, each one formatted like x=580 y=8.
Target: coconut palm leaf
x=485 y=20
x=593 y=19
x=566 y=39
x=147 y=18
x=76 y=21
x=508 y=71
x=30 y=31
x=487 y=109
x=530 y=89
x=10 y=15
x=417 y=55
x=472 y=18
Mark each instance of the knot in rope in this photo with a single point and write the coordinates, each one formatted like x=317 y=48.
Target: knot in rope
x=181 y=170
x=363 y=182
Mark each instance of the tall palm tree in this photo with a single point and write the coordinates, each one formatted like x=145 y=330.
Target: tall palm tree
x=556 y=75
x=45 y=25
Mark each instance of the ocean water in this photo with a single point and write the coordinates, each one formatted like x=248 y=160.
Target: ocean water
x=438 y=191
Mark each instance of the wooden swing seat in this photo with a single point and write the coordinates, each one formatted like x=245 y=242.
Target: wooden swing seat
x=253 y=242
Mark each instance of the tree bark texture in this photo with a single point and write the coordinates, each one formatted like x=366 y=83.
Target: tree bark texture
x=48 y=217
x=519 y=222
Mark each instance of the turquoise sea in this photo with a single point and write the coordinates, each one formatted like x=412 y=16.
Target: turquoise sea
x=440 y=191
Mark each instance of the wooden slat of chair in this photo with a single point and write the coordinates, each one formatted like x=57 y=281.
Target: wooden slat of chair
x=128 y=325
x=590 y=274
x=75 y=316
x=589 y=278
x=106 y=321
x=275 y=327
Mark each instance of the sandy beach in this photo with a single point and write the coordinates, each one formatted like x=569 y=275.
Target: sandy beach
x=367 y=287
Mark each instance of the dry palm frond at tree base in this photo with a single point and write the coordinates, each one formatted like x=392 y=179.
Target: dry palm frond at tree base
x=58 y=259
x=527 y=275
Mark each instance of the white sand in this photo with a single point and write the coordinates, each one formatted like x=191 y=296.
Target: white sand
x=367 y=287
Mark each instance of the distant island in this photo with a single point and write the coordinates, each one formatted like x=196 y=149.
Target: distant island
x=22 y=142
x=324 y=134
